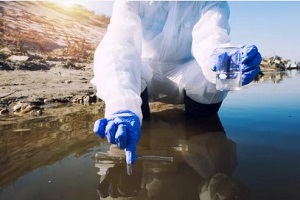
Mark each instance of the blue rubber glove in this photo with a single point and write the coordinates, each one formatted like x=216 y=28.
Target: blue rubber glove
x=122 y=128
x=250 y=61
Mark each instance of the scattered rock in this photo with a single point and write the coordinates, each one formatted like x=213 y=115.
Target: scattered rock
x=4 y=65
x=78 y=100
x=4 y=111
x=34 y=65
x=5 y=53
x=34 y=56
x=20 y=106
x=71 y=65
x=61 y=100
x=48 y=100
x=35 y=107
x=24 y=65
x=37 y=112
x=18 y=58
x=86 y=99
x=27 y=109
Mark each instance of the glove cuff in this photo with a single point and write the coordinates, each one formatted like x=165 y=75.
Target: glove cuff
x=131 y=104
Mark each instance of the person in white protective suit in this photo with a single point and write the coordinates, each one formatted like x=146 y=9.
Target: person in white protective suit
x=162 y=51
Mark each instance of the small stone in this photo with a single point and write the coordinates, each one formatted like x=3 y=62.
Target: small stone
x=61 y=100
x=4 y=111
x=18 y=58
x=39 y=112
x=50 y=100
x=86 y=100
x=19 y=106
x=27 y=109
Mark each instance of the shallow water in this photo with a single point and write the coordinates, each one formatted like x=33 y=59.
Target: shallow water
x=250 y=151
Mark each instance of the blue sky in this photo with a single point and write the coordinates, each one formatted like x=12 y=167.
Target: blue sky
x=274 y=26
x=271 y=25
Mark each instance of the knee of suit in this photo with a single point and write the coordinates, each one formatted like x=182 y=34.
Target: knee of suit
x=198 y=110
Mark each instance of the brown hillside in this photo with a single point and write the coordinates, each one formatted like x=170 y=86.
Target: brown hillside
x=50 y=28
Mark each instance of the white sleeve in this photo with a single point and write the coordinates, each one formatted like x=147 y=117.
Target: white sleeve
x=117 y=61
x=210 y=32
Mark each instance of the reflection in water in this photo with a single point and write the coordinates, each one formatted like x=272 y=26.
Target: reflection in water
x=41 y=142
x=277 y=76
x=115 y=181
x=52 y=157
x=213 y=156
x=204 y=160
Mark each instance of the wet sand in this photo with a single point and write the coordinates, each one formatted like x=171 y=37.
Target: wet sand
x=56 y=82
x=41 y=90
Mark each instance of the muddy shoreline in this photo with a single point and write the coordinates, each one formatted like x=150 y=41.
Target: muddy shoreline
x=31 y=93
x=58 y=91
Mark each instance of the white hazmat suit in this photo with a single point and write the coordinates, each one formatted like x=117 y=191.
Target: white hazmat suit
x=164 y=47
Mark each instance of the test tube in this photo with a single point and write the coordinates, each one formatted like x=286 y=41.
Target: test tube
x=142 y=157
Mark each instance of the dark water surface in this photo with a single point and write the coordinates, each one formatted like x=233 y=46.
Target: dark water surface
x=250 y=151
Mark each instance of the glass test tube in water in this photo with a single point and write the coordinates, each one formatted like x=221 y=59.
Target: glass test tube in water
x=142 y=157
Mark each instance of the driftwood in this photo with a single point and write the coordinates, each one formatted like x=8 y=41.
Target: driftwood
x=8 y=94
